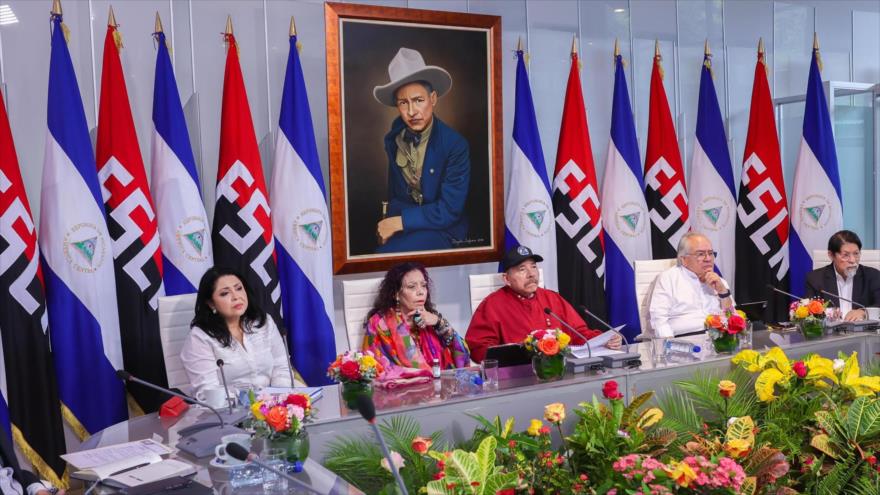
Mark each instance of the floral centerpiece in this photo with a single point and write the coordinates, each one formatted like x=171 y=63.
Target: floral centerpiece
x=724 y=329
x=548 y=348
x=809 y=315
x=355 y=370
x=280 y=420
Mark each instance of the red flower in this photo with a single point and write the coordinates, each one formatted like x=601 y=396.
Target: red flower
x=799 y=368
x=511 y=443
x=350 y=371
x=299 y=400
x=539 y=334
x=439 y=476
x=545 y=430
x=506 y=491
x=736 y=323
x=872 y=460
x=609 y=390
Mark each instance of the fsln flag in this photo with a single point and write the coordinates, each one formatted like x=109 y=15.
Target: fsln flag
x=712 y=197
x=302 y=231
x=816 y=201
x=242 y=232
x=131 y=221
x=624 y=212
x=25 y=362
x=77 y=256
x=528 y=209
x=762 y=213
x=579 y=239
x=665 y=192
x=183 y=224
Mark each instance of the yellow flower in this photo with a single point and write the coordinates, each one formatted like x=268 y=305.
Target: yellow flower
x=741 y=313
x=802 y=312
x=650 y=418
x=737 y=447
x=564 y=339
x=535 y=427
x=726 y=388
x=861 y=386
x=367 y=362
x=776 y=357
x=681 y=473
x=255 y=410
x=554 y=413
x=750 y=360
x=766 y=382
x=819 y=368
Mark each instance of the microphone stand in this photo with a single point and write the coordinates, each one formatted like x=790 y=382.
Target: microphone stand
x=861 y=306
x=237 y=451
x=225 y=386
x=367 y=409
x=589 y=362
x=627 y=359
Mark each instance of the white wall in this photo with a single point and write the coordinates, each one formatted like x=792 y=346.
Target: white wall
x=849 y=32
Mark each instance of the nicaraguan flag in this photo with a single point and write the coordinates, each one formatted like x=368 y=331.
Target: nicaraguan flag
x=624 y=211
x=816 y=209
x=301 y=225
x=528 y=207
x=184 y=233
x=78 y=259
x=712 y=198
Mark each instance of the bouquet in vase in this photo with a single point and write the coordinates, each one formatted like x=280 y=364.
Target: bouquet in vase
x=355 y=370
x=809 y=315
x=278 y=416
x=548 y=348
x=724 y=329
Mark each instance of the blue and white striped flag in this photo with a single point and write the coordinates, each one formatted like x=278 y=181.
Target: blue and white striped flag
x=624 y=211
x=184 y=233
x=712 y=198
x=78 y=258
x=528 y=206
x=298 y=201
x=816 y=203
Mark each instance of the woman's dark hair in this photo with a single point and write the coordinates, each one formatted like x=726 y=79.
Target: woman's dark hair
x=838 y=239
x=391 y=284
x=213 y=323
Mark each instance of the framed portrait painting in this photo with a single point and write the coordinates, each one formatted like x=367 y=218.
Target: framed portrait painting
x=414 y=117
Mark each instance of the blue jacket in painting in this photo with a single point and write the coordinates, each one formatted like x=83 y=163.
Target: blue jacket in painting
x=440 y=219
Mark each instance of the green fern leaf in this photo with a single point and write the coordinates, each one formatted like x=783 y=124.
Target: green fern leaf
x=633 y=407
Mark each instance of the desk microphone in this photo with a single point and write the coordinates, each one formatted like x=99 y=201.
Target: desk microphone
x=606 y=325
x=627 y=359
x=225 y=386
x=242 y=454
x=367 y=409
x=789 y=294
x=862 y=306
x=128 y=377
x=548 y=311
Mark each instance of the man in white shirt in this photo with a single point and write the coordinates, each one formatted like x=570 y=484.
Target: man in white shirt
x=685 y=294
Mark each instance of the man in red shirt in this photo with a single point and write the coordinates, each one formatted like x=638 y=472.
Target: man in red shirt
x=507 y=315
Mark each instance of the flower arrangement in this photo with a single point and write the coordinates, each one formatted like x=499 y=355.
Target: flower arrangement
x=355 y=366
x=277 y=416
x=693 y=474
x=548 y=342
x=724 y=329
x=807 y=309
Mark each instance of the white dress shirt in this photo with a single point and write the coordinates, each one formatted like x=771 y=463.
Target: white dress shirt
x=10 y=486
x=260 y=362
x=844 y=290
x=680 y=302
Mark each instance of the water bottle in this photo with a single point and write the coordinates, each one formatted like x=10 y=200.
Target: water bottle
x=435 y=369
x=673 y=347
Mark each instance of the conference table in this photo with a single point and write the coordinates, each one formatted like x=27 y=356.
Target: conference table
x=450 y=408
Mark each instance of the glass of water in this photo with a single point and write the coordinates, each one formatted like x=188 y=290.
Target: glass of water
x=272 y=482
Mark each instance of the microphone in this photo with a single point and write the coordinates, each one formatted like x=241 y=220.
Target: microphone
x=367 y=409
x=627 y=359
x=862 y=306
x=570 y=328
x=200 y=438
x=225 y=386
x=289 y=363
x=789 y=294
x=237 y=451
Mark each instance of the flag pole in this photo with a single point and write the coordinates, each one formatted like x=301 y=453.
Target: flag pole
x=158 y=28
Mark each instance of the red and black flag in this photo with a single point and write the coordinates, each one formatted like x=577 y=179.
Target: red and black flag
x=242 y=232
x=30 y=388
x=762 y=212
x=665 y=192
x=579 y=240
x=131 y=220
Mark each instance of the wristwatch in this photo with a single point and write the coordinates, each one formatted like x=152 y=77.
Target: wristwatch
x=723 y=295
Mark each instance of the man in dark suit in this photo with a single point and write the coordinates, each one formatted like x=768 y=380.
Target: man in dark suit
x=20 y=481
x=428 y=162
x=844 y=277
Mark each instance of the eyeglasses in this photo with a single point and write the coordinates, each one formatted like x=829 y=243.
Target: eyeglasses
x=850 y=256
x=702 y=255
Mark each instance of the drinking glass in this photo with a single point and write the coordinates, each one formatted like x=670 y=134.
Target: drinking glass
x=489 y=367
x=272 y=482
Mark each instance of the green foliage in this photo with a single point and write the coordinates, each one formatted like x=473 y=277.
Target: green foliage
x=473 y=472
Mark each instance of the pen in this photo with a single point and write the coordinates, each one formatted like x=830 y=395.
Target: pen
x=130 y=469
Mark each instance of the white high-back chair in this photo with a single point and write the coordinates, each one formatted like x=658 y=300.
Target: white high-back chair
x=646 y=273
x=870 y=257
x=175 y=315
x=484 y=284
x=357 y=299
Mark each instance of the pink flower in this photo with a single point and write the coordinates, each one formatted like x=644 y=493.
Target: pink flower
x=296 y=411
x=396 y=458
x=609 y=390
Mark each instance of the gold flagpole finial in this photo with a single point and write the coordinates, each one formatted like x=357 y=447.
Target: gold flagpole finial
x=815 y=41
x=111 y=18
x=574 y=45
x=706 y=50
x=229 y=24
x=616 y=48
x=760 y=46
x=56 y=7
x=292 y=31
x=656 y=47
x=158 y=27
x=519 y=45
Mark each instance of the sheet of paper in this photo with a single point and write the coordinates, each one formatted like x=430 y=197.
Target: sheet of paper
x=88 y=459
x=597 y=344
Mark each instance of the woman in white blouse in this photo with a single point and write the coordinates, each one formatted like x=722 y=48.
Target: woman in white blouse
x=242 y=335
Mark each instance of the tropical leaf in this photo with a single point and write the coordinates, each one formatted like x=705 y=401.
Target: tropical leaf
x=863 y=418
x=486 y=459
x=465 y=464
x=633 y=407
x=680 y=415
x=823 y=444
x=439 y=487
x=748 y=486
x=742 y=428
x=761 y=461
x=833 y=482
x=499 y=481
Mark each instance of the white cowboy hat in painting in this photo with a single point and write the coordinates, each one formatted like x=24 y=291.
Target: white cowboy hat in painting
x=406 y=67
